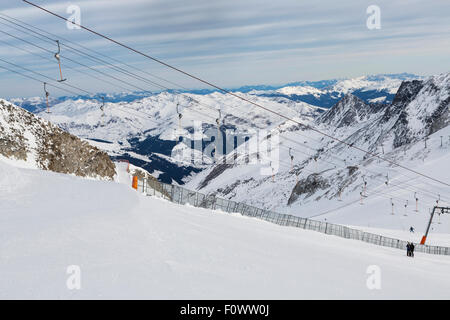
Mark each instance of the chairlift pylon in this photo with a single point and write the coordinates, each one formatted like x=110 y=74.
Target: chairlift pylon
x=219 y=118
x=180 y=115
x=178 y=111
x=102 y=108
x=365 y=186
x=218 y=122
x=58 y=58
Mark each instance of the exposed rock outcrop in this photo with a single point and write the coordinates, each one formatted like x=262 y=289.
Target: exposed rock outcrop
x=24 y=136
x=307 y=187
x=422 y=108
x=346 y=112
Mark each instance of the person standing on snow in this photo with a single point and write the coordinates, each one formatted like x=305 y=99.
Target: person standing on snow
x=411 y=229
x=411 y=248
x=408 y=249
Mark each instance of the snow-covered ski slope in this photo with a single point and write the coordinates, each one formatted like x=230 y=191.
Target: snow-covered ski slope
x=131 y=246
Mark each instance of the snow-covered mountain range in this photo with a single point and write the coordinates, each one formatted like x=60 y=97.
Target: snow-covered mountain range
x=144 y=129
x=371 y=89
x=324 y=93
x=412 y=131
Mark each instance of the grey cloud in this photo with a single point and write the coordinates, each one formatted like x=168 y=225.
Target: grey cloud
x=273 y=39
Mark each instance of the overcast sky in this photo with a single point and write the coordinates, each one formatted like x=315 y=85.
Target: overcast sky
x=233 y=43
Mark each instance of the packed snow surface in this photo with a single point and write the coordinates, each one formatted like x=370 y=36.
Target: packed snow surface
x=131 y=246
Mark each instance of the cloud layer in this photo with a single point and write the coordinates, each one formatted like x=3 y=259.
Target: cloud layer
x=241 y=42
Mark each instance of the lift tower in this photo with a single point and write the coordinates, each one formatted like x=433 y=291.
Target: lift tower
x=443 y=210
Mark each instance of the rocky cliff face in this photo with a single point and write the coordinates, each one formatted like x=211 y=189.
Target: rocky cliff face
x=23 y=136
x=422 y=108
x=346 y=112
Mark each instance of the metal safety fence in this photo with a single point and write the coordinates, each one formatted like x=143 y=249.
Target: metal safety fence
x=184 y=196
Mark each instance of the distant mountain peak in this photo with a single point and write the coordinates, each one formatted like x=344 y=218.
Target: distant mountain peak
x=348 y=110
x=407 y=92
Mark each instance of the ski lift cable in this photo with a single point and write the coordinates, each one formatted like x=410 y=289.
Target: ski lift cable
x=49 y=38
x=67 y=66
x=379 y=187
x=113 y=66
x=67 y=90
x=375 y=178
x=74 y=87
x=236 y=95
x=125 y=72
x=375 y=173
x=38 y=80
x=22 y=23
x=44 y=49
x=44 y=76
x=376 y=194
x=413 y=187
x=194 y=99
x=148 y=116
x=82 y=64
x=418 y=188
x=47 y=58
x=90 y=57
x=10 y=70
x=381 y=193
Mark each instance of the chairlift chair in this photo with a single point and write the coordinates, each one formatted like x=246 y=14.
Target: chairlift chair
x=47 y=94
x=292 y=157
x=180 y=115
x=58 y=58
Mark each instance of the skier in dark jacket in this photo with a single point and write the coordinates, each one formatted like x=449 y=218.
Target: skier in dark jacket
x=411 y=248
x=408 y=249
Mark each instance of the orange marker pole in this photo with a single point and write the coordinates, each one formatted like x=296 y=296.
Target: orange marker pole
x=134 y=185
